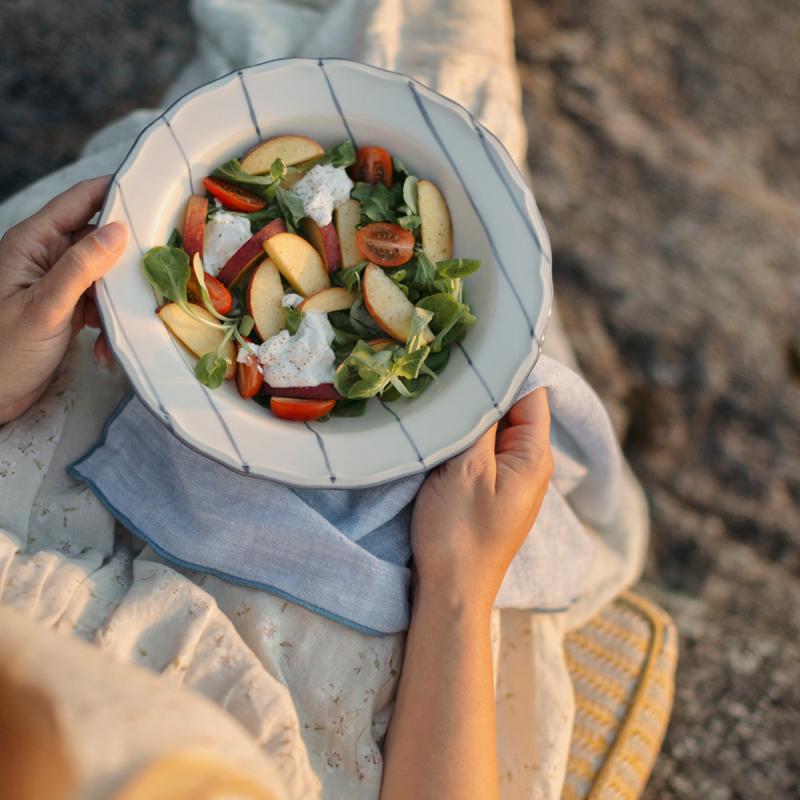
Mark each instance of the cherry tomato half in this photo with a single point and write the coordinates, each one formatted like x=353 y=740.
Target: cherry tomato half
x=385 y=244
x=373 y=165
x=248 y=377
x=232 y=197
x=300 y=410
x=220 y=297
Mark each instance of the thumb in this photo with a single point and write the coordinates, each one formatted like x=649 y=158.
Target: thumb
x=81 y=265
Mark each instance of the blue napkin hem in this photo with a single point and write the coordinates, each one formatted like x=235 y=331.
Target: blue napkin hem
x=73 y=470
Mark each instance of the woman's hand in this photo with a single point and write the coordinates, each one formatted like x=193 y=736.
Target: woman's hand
x=470 y=518
x=48 y=263
x=473 y=513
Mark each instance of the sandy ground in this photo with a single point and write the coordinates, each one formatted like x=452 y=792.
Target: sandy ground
x=664 y=148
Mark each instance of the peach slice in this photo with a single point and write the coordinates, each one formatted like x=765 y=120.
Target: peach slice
x=265 y=300
x=325 y=241
x=194 y=225
x=197 y=337
x=387 y=304
x=298 y=262
x=249 y=253
x=380 y=344
x=346 y=218
x=334 y=299
x=437 y=230
x=289 y=149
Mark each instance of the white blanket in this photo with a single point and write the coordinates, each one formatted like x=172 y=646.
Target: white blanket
x=315 y=696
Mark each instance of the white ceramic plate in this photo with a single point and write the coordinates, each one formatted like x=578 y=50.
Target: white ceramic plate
x=494 y=218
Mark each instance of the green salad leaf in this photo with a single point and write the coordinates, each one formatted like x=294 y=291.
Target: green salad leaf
x=175 y=239
x=246 y=324
x=210 y=370
x=458 y=267
x=293 y=319
x=278 y=170
x=425 y=273
x=410 y=194
x=350 y=278
x=350 y=408
x=400 y=167
x=291 y=208
x=409 y=221
x=232 y=171
x=378 y=204
x=450 y=318
x=361 y=321
x=167 y=270
x=431 y=368
x=258 y=219
x=341 y=155
x=416 y=335
x=366 y=372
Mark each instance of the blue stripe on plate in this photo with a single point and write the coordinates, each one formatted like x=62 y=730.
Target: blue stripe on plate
x=336 y=101
x=435 y=133
x=249 y=104
x=514 y=199
x=245 y=466
x=183 y=153
x=405 y=430
x=477 y=372
x=323 y=450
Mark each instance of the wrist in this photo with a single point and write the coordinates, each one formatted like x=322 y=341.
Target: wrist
x=458 y=603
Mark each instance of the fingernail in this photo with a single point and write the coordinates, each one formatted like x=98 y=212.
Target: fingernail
x=112 y=236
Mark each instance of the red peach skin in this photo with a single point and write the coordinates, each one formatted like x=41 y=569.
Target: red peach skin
x=249 y=253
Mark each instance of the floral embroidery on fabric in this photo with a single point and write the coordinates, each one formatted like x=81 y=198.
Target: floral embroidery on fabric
x=333 y=760
x=269 y=629
x=242 y=609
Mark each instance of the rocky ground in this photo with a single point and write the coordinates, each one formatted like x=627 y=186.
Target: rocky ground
x=66 y=69
x=665 y=149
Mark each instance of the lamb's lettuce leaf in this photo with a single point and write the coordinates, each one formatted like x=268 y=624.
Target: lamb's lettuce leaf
x=341 y=155
x=350 y=408
x=450 y=318
x=425 y=273
x=378 y=204
x=350 y=278
x=167 y=271
x=361 y=321
x=291 y=208
x=246 y=324
x=293 y=319
x=457 y=267
x=210 y=370
x=175 y=239
x=232 y=171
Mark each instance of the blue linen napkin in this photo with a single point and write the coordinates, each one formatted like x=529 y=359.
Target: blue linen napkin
x=345 y=553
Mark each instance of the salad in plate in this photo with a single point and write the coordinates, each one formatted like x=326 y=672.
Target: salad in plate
x=317 y=279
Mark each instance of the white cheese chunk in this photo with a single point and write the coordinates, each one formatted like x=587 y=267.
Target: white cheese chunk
x=292 y=300
x=225 y=234
x=322 y=189
x=305 y=359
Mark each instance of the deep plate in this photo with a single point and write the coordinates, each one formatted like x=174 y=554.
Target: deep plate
x=494 y=218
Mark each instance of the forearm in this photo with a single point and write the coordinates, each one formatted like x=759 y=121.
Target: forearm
x=441 y=742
